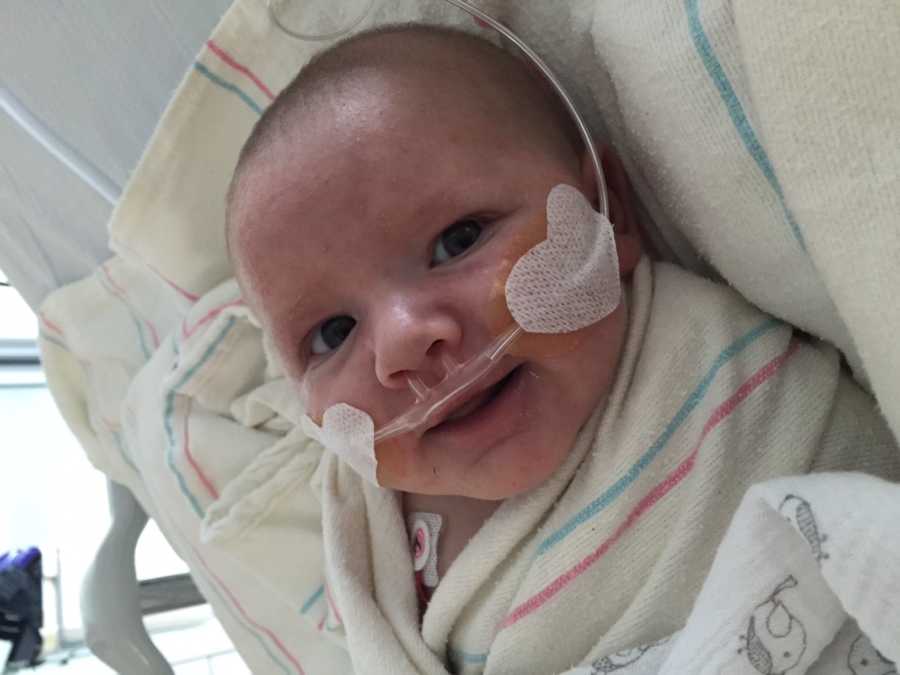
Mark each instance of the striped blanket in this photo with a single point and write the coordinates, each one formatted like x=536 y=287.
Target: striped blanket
x=702 y=99
x=309 y=568
x=611 y=553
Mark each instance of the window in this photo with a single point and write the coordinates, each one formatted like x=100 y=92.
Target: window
x=50 y=495
x=17 y=321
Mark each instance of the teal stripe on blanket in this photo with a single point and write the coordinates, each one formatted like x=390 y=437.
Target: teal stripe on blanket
x=59 y=343
x=170 y=409
x=736 y=111
x=462 y=656
x=120 y=444
x=691 y=402
x=313 y=599
x=225 y=84
x=242 y=621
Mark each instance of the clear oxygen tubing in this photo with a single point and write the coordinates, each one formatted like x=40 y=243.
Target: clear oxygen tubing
x=458 y=378
x=271 y=6
x=461 y=377
x=474 y=11
x=583 y=130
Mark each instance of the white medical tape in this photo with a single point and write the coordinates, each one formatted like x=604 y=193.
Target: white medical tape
x=571 y=279
x=349 y=433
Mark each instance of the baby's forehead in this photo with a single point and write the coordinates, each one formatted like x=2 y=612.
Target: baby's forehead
x=382 y=128
x=375 y=124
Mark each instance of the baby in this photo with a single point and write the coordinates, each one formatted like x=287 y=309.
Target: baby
x=373 y=210
x=372 y=173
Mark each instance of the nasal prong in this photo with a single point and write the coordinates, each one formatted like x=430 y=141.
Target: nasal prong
x=450 y=366
x=418 y=387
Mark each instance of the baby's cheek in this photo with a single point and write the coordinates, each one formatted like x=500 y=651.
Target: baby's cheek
x=393 y=462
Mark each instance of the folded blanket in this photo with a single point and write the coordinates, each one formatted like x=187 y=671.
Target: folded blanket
x=204 y=437
x=791 y=570
x=765 y=133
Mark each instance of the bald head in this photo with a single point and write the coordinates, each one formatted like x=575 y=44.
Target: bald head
x=418 y=70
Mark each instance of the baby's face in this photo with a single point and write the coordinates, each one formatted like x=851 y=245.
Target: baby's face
x=371 y=245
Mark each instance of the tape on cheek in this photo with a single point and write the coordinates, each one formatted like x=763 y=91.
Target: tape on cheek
x=349 y=433
x=571 y=279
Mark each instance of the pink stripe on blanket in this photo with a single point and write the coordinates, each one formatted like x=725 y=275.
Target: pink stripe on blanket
x=206 y=318
x=229 y=60
x=331 y=603
x=207 y=483
x=274 y=638
x=121 y=246
x=193 y=297
x=47 y=322
x=121 y=293
x=655 y=495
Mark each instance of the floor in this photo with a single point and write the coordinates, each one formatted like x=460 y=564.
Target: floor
x=65 y=513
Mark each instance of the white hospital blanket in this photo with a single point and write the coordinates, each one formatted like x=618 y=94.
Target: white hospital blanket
x=766 y=133
x=797 y=562
x=200 y=439
x=710 y=397
x=693 y=93
x=280 y=540
x=203 y=430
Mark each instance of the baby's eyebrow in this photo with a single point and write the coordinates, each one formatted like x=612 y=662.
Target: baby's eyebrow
x=295 y=313
x=309 y=301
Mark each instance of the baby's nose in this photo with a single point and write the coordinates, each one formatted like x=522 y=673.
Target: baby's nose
x=413 y=343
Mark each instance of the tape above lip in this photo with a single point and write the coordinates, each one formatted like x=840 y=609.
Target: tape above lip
x=565 y=283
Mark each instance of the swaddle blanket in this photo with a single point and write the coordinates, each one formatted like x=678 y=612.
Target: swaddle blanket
x=610 y=553
x=308 y=568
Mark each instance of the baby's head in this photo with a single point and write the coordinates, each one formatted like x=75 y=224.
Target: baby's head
x=374 y=209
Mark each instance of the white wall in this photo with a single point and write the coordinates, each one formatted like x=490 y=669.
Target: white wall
x=97 y=73
x=91 y=78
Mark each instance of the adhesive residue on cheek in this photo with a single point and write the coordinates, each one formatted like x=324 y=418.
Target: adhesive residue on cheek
x=392 y=458
x=560 y=277
x=498 y=314
x=527 y=344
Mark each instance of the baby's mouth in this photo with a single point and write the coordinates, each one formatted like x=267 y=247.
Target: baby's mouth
x=474 y=402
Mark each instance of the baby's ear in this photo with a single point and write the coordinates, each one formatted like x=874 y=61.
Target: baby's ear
x=621 y=204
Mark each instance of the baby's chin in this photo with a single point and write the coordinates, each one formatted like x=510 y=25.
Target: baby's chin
x=524 y=449
x=511 y=473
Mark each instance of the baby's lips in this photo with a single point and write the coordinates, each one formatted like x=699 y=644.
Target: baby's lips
x=500 y=318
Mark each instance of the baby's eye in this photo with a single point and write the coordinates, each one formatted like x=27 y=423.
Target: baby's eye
x=331 y=334
x=456 y=240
